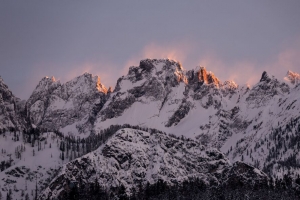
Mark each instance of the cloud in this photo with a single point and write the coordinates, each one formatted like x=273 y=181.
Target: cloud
x=178 y=51
x=240 y=71
x=249 y=72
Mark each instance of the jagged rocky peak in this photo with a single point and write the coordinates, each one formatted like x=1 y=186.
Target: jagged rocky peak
x=160 y=64
x=265 y=77
x=5 y=93
x=100 y=86
x=47 y=79
x=89 y=80
x=170 y=70
x=46 y=83
x=207 y=76
x=264 y=91
x=292 y=77
x=109 y=90
x=230 y=85
x=54 y=105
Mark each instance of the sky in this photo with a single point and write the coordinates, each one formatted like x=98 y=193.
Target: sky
x=237 y=40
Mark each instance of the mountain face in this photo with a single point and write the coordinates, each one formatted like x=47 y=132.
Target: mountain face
x=133 y=157
x=161 y=94
x=10 y=108
x=68 y=106
x=224 y=122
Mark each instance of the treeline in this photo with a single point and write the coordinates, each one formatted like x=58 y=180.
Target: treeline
x=71 y=147
x=281 y=145
x=193 y=189
x=285 y=138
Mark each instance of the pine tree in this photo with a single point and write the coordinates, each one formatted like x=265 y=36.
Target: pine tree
x=1 y=99
x=8 y=195
x=36 y=188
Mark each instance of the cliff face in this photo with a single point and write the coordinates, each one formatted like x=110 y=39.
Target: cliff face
x=207 y=77
x=11 y=109
x=68 y=106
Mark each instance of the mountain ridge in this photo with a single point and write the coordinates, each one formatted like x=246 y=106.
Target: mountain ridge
x=258 y=126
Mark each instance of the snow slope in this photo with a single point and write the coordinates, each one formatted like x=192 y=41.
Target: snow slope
x=29 y=165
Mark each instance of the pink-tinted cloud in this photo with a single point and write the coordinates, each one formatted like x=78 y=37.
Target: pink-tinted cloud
x=178 y=51
x=242 y=71
x=288 y=59
x=249 y=72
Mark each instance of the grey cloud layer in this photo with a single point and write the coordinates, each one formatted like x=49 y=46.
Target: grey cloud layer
x=64 y=39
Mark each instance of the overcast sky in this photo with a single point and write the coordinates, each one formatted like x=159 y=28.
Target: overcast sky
x=236 y=40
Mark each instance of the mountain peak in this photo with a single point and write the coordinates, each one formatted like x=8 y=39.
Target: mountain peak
x=45 y=83
x=230 y=84
x=2 y=84
x=89 y=80
x=160 y=64
x=207 y=76
x=109 y=90
x=264 y=77
x=292 y=77
x=100 y=86
x=47 y=79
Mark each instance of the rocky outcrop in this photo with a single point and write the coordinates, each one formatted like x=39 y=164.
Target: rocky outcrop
x=11 y=107
x=207 y=77
x=152 y=81
x=292 y=77
x=133 y=157
x=265 y=90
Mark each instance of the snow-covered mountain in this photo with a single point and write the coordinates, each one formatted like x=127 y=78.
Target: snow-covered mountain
x=256 y=125
x=69 y=106
x=134 y=157
x=161 y=94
